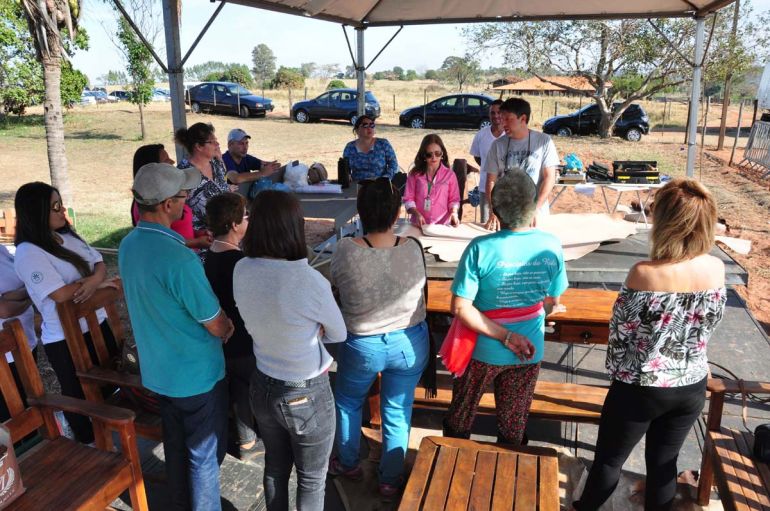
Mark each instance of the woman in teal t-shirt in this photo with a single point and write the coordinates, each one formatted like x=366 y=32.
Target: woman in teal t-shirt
x=517 y=273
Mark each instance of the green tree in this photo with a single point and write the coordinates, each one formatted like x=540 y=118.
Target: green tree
x=115 y=78
x=54 y=30
x=431 y=74
x=238 y=73
x=72 y=84
x=139 y=60
x=336 y=84
x=263 y=61
x=461 y=70
x=634 y=53
x=398 y=73
x=21 y=79
x=288 y=78
x=411 y=74
x=307 y=69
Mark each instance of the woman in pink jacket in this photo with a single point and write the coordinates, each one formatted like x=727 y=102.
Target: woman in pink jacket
x=432 y=194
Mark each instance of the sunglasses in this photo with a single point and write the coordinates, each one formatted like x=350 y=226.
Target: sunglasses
x=57 y=206
x=368 y=125
x=435 y=154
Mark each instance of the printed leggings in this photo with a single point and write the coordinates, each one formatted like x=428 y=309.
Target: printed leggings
x=665 y=416
x=514 y=387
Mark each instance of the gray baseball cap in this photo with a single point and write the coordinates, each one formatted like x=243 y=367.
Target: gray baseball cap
x=156 y=182
x=237 y=134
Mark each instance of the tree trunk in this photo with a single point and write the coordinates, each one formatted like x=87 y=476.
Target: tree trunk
x=54 y=123
x=141 y=119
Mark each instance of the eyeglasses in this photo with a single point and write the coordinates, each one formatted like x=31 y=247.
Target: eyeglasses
x=246 y=215
x=435 y=154
x=368 y=125
x=57 y=206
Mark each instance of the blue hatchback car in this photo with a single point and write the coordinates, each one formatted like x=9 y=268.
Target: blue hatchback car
x=335 y=104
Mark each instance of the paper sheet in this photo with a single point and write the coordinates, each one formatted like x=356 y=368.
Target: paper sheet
x=737 y=245
x=580 y=234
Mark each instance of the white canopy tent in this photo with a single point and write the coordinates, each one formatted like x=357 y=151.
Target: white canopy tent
x=361 y=14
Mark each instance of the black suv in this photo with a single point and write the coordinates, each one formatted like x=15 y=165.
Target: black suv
x=227 y=98
x=455 y=111
x=631 y=125
x=335 y=104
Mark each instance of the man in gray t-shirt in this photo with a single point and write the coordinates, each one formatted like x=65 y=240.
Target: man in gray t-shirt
x=532 y=151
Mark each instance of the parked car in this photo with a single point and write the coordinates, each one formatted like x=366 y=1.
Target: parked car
x=631 y=125
x=335 y=104
x=120 y=95
x=87 y=99
x=455 y=111
x=99 y=96
x=227 y=98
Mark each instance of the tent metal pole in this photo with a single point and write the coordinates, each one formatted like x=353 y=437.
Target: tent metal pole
x=694 y=96
x=175 y=72
x=360 y=70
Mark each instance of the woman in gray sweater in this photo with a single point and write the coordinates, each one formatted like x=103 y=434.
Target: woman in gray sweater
x=380 y=278
x=289 y=311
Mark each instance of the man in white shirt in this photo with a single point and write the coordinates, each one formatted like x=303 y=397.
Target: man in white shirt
x=531 y=151
x=480 y=148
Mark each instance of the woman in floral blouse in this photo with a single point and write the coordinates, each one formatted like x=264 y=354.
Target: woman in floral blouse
x=661 y=324
x=369 y=157
x=205 y=155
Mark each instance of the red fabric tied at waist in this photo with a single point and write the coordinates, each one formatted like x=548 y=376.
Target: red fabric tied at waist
x=460 y=341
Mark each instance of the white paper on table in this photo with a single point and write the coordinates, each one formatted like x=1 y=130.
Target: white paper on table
x=738 y=245
x=580 y=234
x=332 y=188
x=587 y=189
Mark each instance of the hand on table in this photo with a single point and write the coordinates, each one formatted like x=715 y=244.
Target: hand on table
x=269 y=168
x=420 y=219
x=493 y=224
x=454 y=220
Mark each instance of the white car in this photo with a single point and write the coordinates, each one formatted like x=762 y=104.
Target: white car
x=87 y=99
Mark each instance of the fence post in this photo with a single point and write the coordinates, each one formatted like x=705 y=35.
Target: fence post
x=555 y=108
x=705 y=123
x=663 y=122
x=306 y=93
x=542 y=106
x=687 y=124
x=291 y=117
x=394 y=102
x=737 y=134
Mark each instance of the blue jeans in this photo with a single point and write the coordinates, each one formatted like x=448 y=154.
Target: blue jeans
x=194 y=443
x=400 y=356
x=297 y=428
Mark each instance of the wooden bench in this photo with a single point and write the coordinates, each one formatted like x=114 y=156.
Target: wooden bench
x=7 y=225
x=455 y=474
x=586 y=321
x=94 y=377
x=742 y=481
x=60 y=473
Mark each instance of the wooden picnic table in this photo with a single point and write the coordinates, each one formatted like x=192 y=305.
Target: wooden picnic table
x=454 y=474
x=586 y=320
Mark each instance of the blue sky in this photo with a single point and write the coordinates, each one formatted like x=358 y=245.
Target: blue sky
x=293 y=39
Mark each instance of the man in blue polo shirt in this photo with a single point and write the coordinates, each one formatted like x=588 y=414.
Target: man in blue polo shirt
x=241 y=166
x=179 y=329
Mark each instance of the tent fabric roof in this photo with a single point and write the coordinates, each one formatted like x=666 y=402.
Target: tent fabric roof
x=536 y=84
x=371 y=13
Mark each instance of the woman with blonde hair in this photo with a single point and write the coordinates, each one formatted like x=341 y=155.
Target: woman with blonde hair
x=656 y=357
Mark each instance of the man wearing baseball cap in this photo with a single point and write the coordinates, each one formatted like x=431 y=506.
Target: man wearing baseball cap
x=241 y=166
x=179 y=329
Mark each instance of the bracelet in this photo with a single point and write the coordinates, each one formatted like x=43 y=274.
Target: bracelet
x=507 y=339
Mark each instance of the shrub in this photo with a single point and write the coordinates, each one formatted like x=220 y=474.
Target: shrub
x=336 y=84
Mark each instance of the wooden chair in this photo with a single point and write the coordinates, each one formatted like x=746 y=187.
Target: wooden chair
x=7 y=225
x=743 y=482
x=60 y=473
x=104 y=375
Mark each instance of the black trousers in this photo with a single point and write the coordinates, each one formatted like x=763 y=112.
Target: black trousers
x=59 y=356
x=665 y=416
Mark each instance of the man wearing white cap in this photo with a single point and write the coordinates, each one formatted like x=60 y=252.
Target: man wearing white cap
x=241 y=166
x=179 y=329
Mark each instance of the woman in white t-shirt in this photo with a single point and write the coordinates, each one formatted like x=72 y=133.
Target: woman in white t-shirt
x=56 y=265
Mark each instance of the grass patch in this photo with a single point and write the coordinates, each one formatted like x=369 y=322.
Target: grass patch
x=103 y=231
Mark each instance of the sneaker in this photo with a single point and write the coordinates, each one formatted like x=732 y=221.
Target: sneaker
x=337 y=469
x=388 y=491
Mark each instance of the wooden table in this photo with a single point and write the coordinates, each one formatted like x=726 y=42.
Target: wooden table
x=586 y=320
x=454 y=474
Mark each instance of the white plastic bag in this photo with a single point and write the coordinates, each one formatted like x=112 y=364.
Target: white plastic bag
x=296 y=174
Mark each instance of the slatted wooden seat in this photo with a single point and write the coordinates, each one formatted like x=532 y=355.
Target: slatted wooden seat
x=743 y=482
x=95 y=377
x=7 y=225
x=555 y=401
x=455 y=474
x=59 y=473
